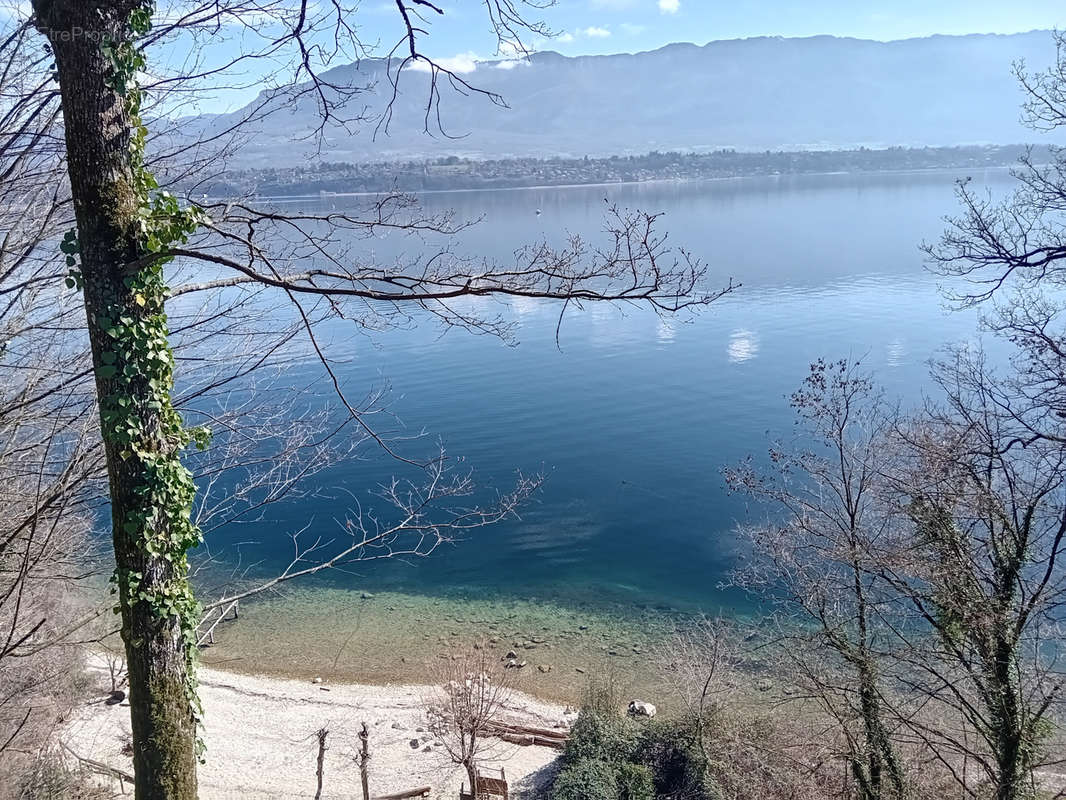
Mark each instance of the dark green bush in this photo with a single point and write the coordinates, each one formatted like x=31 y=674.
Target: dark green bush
x=612 y=756
x=635 y=782
x=669 y=749
x=587 y=780
x=597 y=737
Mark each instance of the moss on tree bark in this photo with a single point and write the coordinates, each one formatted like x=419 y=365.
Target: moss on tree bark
x=102 y=169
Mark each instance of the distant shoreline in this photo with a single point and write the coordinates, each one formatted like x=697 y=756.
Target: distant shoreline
x=651 y=181
x=471 y=190
x=452 y=174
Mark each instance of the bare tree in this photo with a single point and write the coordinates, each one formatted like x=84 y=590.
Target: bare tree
x=981 y=570
x=814 y=560
x=744 y=749
x=472 y=691
x=428 y=516
x=1010 y=253
x=700 y=663
x=986 y=481
x=51 y=464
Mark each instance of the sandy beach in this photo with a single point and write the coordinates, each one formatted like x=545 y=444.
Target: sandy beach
x=261 y=742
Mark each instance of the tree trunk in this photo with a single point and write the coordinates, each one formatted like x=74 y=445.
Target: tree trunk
x=880 y=752
x=106 y=204
x=364 y=761
x=320 y=763
x=1013 y=759
x=471 y=774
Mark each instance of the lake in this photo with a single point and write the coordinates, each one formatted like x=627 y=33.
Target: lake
x=631 y=417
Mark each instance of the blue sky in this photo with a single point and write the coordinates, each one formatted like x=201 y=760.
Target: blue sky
x=612 y=26
x=462 y=35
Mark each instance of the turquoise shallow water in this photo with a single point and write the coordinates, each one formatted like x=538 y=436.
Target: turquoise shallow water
x=631 y=417
x=348 y=636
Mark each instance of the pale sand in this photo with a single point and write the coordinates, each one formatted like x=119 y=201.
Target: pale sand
x=260 y=737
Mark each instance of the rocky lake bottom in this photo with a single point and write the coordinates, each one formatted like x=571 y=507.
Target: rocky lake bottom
x=349 y=636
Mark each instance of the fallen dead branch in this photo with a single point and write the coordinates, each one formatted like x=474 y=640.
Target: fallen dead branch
x=422 y=791
x=527 y=736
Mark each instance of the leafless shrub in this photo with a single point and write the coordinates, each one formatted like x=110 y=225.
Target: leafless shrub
x=50 y=474
x=700 y=665
x=45 y=613
x=815 y=562
x=472 y=691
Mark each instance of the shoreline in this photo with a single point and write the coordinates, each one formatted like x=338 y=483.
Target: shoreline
x=294 y=198
x=349 y=636
x=260 y=737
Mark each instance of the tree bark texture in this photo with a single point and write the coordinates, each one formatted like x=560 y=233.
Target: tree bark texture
x=98 y=135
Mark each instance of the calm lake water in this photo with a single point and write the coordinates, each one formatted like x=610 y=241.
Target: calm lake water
x=633 y=417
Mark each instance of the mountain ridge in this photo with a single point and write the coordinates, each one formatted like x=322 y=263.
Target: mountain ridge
x=757 y=93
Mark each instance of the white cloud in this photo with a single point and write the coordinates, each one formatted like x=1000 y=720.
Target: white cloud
x=669 y=6
x=508 y=56
x=633 y=30
x=591 y=32
x=460 y=63
x=512 y=49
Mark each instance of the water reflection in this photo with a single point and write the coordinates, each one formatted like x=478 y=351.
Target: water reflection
x=665 y=332
x=632 y=416
x=895 y=353
x=743 y=346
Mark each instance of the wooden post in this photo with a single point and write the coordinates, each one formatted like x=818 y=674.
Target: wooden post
x=364 y=758
x=322 y=734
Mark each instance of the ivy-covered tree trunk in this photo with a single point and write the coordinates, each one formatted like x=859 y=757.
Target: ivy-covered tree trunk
x=880 y=756
x=150 y=489
x=1014 y=751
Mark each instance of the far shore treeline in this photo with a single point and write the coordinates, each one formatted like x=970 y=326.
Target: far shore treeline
x=453 y=173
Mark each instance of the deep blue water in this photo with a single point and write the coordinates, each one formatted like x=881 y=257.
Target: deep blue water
x=632 y=417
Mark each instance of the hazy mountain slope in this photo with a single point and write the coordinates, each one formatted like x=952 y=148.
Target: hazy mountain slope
x=764 y=93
